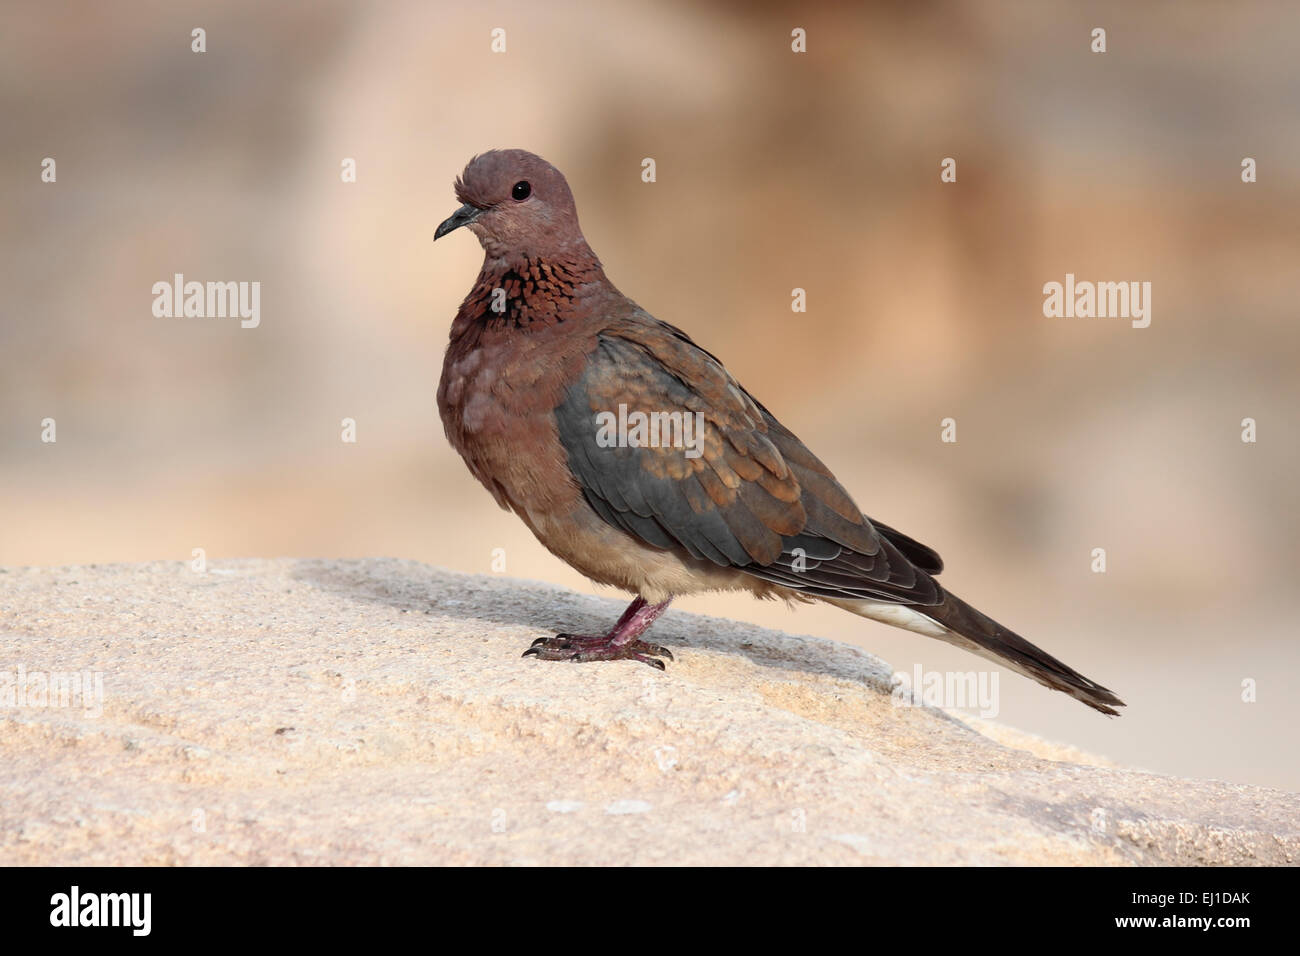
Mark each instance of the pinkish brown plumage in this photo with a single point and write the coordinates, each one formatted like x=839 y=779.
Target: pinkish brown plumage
x=544 y=349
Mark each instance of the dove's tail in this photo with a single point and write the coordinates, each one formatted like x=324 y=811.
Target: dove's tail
x=959 y=624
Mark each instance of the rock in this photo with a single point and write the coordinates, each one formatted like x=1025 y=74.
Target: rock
x=379 y=712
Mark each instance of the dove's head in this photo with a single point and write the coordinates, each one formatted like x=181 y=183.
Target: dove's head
x=517 y=204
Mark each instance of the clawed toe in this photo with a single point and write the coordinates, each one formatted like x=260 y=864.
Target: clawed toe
x=620 y=644
x=579 y=648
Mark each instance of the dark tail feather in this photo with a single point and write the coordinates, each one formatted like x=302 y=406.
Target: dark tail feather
x=979 y=633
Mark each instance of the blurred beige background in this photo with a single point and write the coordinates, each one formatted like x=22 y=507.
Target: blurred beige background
x=775 y=170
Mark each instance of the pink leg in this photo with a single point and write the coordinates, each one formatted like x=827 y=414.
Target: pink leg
x=620 y=644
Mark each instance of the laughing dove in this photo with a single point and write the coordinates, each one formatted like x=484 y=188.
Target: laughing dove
x=635 y=457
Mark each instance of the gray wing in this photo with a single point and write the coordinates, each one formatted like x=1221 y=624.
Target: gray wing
x=752 y=497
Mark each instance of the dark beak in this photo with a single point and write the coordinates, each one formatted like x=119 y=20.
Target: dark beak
x=461 y=217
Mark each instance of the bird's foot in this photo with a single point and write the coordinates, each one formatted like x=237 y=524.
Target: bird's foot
x=579 y=648
x=623 y=643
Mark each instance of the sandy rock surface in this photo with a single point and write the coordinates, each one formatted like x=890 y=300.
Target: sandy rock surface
x=379 y=712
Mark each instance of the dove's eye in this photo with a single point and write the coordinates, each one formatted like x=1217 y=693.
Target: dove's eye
x=521 y=191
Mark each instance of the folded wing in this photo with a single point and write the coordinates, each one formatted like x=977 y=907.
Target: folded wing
x=733 y=486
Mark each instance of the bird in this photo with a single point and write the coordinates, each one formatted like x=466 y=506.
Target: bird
x=636 y=458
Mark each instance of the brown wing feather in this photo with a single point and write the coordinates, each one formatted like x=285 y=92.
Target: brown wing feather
x=754 y=498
